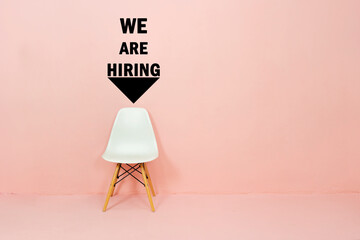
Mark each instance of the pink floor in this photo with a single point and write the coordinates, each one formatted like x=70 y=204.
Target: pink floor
x=250 y=216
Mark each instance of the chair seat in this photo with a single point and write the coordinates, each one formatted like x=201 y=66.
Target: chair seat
x=129 y=158
x=132 y=139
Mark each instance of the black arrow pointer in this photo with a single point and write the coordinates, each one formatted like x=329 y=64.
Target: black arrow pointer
x=133 y=87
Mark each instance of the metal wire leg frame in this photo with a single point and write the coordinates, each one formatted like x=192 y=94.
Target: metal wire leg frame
x=129 y=172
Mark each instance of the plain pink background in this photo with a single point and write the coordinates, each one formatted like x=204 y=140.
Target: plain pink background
x=254 y=96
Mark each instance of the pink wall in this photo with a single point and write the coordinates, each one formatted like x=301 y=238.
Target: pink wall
x=254 y=96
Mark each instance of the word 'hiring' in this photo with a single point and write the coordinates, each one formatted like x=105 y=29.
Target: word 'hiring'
x=133 y=70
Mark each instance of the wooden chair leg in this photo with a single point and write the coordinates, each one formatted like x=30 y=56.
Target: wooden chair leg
x=111 y=188
x=147 y=186
x=149 y=180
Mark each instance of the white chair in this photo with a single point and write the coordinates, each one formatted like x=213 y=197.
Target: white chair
x=132 y=141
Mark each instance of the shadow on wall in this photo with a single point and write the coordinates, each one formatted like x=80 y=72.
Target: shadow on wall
x=163 y=172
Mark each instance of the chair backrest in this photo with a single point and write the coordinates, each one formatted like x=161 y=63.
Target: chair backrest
x=132 y=134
